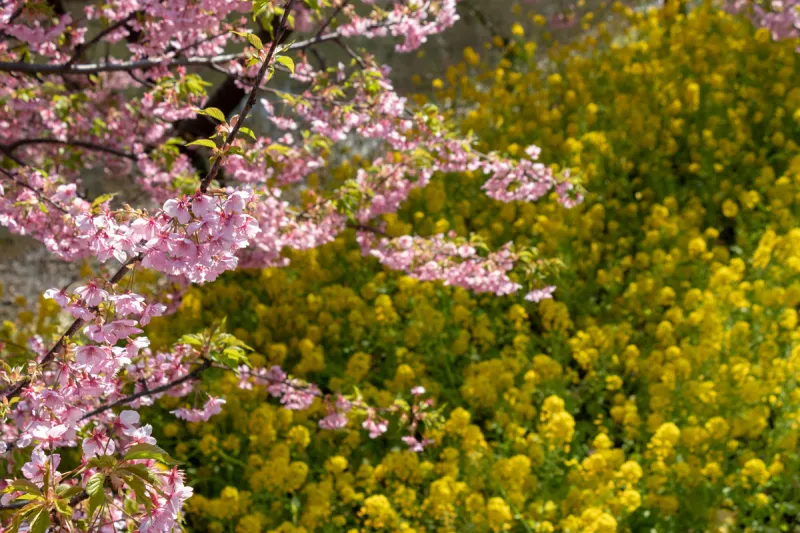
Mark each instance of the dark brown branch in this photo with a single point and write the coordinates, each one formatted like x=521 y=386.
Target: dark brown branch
x=251 y=99
x=370 y=229
x=80 y=144
x=352 y=53
x=95 y=68
x=149 y=392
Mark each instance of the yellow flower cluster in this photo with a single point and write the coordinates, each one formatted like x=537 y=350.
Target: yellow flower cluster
x=656 y=392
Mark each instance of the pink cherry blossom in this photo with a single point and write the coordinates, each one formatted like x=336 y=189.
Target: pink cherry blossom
x=38 y=466
x=375 y=425
x=92 y=294
x=537 y=295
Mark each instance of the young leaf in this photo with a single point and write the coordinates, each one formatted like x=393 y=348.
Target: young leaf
x=138 y=487
x=248 y=131
x=287 y=62
x=140 y=471
x=212 y=112
x=255 y=40
x=148 y=451
x=95 y=484
x=96 y=500
x=103 y=198
x=25 y=486
x=102 y=461
x=65 y=491
x=41 y=522
x=208 y=143
x=193 y=339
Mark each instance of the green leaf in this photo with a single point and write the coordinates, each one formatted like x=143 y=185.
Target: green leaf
x=248 y=131
x=41 y=522
x=192 y=339
x=286 y=61
x=281 y=149
x=103 y=198
x=43 y=208
x=208 y=143
x=65 y=491
x=23 y=485
x=148 y=451
x=212 y=112
x=28 y=497
x=102 y=461
x=255 y=40
x=140 y=471
x=139 y=489
x=95 y=484
x=15 y=523
x=63 y=507
x=95 y=501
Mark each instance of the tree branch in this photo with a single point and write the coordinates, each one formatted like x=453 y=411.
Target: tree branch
x=149 y=392
x=251 y=98
x=94 y=68
x=80 y=144
x=81 y=48
x=36 y=191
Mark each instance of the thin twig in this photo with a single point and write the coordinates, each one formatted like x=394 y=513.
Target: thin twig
x=35 y=191
x=251 y=98
x=352 y=54
x=330 y=19
x=80 y=144
x=149 y=392
x=95 y=68
x=81 y=48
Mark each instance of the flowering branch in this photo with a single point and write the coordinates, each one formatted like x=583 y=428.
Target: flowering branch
x=149 y=392
x=143 y=64
x=72 y=330
x=251 y=98
x=37 y=192
x=71 y=142
x=75 y=500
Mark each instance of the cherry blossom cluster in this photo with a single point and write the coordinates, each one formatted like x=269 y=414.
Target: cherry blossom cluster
x=527 y=180
x=415 y=21
x=298 y=395
x=445 y=257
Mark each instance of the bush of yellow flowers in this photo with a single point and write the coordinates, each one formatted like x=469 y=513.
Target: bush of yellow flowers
x=658 y=389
